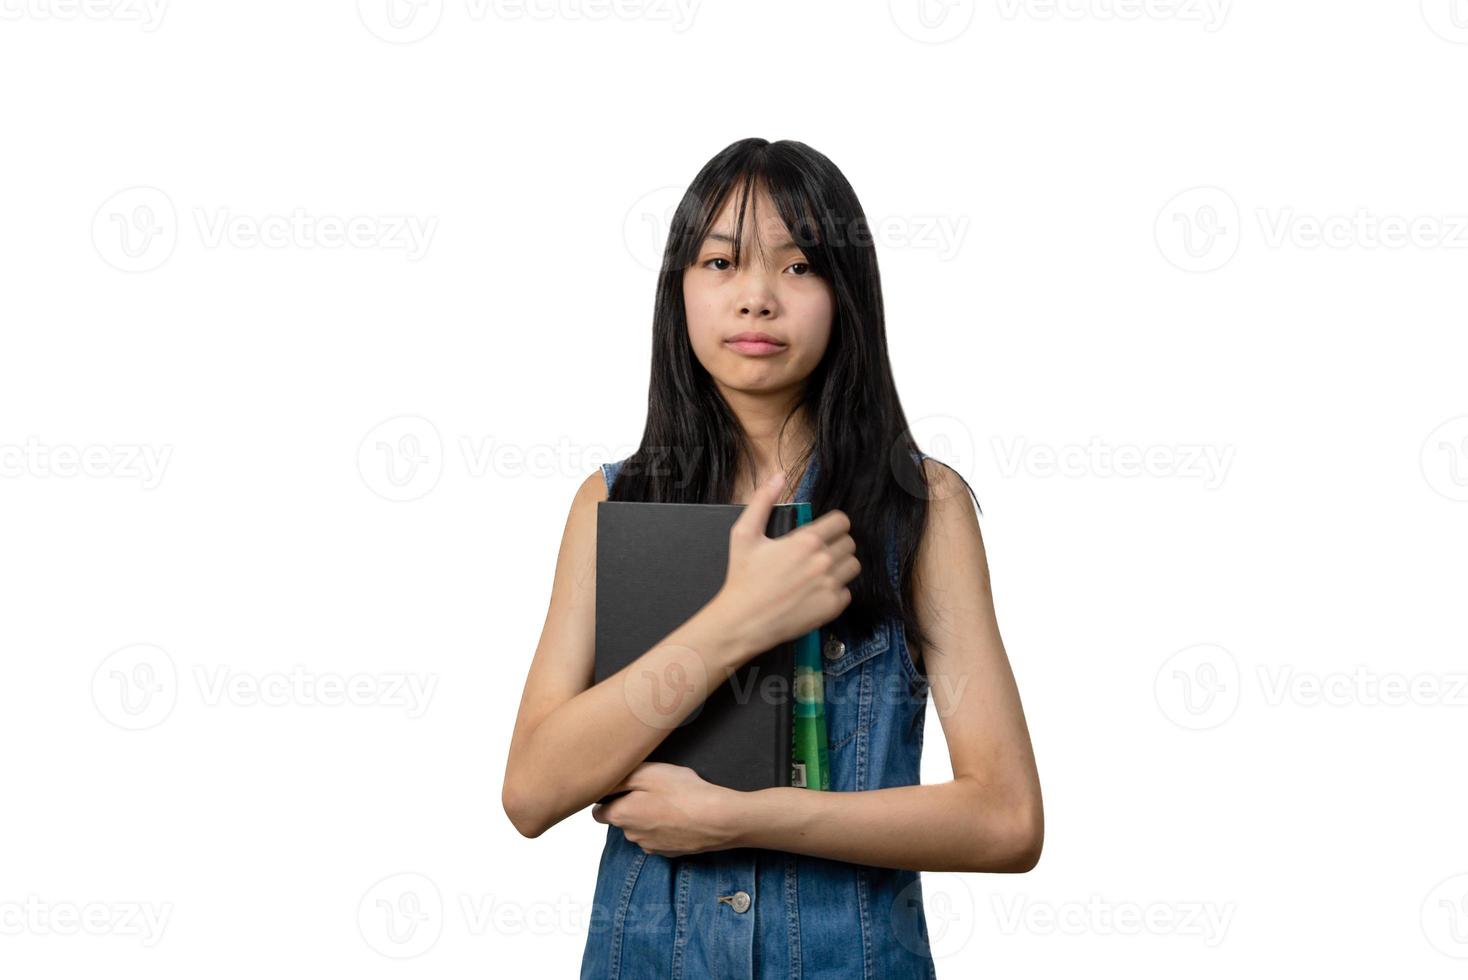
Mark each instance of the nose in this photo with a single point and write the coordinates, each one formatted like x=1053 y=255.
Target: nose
x=758 y=301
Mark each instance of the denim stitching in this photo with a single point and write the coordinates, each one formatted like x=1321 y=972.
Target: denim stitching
x=680 y=936
x=863 y=903
x=619 y=923
x=792 y=913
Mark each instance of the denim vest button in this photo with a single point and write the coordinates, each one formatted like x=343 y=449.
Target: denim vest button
x=739 y=901
x=834 y=648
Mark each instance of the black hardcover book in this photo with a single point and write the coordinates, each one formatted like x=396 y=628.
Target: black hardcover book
x=656 y=565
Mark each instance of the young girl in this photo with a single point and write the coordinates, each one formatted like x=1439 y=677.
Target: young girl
x=770 y=372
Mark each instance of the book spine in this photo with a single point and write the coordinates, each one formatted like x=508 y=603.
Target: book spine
x=810 y=766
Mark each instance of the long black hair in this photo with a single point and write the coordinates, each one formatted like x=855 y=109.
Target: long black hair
x=868 y=464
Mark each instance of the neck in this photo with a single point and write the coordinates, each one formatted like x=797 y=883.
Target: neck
x=774 y=444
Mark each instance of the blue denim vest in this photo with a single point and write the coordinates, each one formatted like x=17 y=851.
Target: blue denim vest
x=755 y=913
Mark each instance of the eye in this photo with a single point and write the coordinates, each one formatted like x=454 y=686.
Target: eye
x=717 y=259
x=803 y=265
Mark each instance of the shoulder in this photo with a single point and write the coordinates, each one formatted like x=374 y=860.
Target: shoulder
x=951 y=569
x=948 y=493
x=951 y=532
x=581 y=521
x=593 y=489
x=947 y=489
x=578 y=537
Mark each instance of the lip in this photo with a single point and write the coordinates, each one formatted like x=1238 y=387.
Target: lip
x=755 y=343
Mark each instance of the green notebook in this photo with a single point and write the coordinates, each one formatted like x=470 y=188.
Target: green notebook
x=810 y=767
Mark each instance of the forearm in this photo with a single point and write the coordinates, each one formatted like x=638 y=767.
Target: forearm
x=587 y=745
x=954 y=826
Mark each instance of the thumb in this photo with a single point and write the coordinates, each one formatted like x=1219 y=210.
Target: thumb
x=756 y=515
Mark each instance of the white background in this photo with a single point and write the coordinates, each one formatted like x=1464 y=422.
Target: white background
x=1242 y=666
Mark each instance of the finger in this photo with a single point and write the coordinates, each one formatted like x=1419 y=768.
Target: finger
x=829 y=526
x=756 y=514
x=846 y=570
x=599 y=813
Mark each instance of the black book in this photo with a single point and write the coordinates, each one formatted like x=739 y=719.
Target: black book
x=658 y=564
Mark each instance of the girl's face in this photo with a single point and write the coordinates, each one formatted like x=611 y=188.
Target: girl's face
x=774 y=293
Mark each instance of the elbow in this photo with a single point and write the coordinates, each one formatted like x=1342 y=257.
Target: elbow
x=1025 y=855
x=522 y=810
x=1025 y=838
x=1010 y=842
x=526 y=823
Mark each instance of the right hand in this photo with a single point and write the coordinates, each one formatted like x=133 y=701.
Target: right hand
x=779 y=588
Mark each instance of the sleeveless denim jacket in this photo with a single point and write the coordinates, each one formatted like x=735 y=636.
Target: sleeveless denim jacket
x=752 y=913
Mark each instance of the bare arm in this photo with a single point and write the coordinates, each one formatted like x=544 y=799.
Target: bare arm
x=574 y=741
x=989 y=817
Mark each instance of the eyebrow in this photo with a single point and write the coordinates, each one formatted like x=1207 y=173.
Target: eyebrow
x=718 y=236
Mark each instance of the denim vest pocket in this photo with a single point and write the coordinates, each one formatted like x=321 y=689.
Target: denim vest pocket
x=848 y=691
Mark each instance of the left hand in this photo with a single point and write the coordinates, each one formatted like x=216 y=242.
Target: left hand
x=672 y=811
